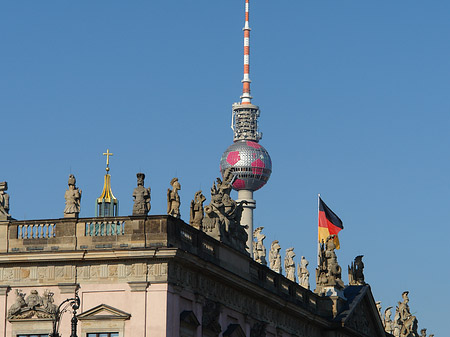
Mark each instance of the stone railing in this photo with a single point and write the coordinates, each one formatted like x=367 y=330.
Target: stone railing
x=149 y=232
x=104 y=228
x=36 y=230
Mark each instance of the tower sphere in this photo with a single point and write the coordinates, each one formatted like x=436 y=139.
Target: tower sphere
x=250 y=163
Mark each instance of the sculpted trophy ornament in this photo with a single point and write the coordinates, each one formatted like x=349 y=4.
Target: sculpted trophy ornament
x=142 y=197
x=4 y=201
x=197 y=210
x=328 y=273
x=275 y=257
x=173 y=199
x=32 y=306
x=259 y=251
x=303 y=273
x=222 y=218
x=289 y=264
x=73 y=199
x=356 y=272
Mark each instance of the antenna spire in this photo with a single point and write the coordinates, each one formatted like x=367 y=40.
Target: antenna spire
x=246 y=98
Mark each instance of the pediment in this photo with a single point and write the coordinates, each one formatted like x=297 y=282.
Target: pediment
x=234 y=330
x=104 y=311
x=362 y=315
x=189 y=317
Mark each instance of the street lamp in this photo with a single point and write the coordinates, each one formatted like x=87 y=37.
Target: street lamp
x=63 y=307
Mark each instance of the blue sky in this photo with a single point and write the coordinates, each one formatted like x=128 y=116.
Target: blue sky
x=354 y=105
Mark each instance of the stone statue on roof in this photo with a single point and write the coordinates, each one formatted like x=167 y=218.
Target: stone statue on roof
x=73 y=199
x=197 y=210
x=303 y=273
x=423 y=332
x=289 y=264
x=387 y=322
x=4 y=201
x=259 y=251
x=328 y=273
x=406 y=321
x=222 y=218
x=275 y=257
x=142 y=197
x=173 y=199
x=356 y=272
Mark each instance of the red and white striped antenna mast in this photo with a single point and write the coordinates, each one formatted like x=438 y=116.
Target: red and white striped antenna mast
x=246 y=97
x=244 y=120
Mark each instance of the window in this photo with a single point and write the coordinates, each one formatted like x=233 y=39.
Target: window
x=33 y=335
x=103 y=334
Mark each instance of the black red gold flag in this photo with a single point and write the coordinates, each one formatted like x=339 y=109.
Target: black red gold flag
x=329 y=223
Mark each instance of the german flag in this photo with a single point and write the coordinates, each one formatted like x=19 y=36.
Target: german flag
x=329 y=223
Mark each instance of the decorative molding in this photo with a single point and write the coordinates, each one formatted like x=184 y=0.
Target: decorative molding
x=138 y=286
x=104 y=312
x=67 y=288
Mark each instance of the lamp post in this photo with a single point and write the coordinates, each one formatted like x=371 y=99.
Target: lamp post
x=74 y=302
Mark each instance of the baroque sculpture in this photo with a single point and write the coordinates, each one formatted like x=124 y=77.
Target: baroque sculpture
x=259 y=251
x=396 y=321
x=222 y=218
x=406 y=321
x=4 y=201
x=32 y=306
x=303 y=273
x=328 y=273
x=73 y=199
x=142 y=197
x=356 y=272
x=388 y=323
x=289 y=264
x=173 y=199
x=423 y=332
x=197 y=211
x=275 y=257
x=378 y=304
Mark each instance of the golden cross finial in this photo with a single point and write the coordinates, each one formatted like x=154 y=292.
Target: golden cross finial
x=107 y=154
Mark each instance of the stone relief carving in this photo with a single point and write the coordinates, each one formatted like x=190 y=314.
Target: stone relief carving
x=222 y=218
x=289 y=264
x=328 y=273
x=356 y=272
x=210 y=316
x=303 y=273
x=33 y=305
x=197 y=210
x=73 y=199
x=259 y=251
x=275 y=257
x=258 y=329
x=173 y=199
x=387 y=322
x=359 y=321
x=4 y=201
x=142 y=197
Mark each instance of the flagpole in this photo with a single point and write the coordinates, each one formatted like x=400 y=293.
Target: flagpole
x=318 y=241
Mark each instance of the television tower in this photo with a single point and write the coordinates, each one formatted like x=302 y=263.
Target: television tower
x=249 y=161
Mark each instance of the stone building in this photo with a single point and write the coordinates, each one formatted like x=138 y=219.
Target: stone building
x=158 y=276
